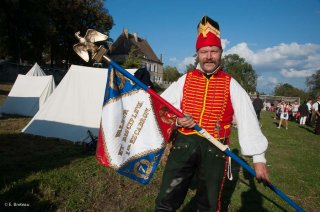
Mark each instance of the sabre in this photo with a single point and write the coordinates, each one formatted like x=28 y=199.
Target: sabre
x=86 y=45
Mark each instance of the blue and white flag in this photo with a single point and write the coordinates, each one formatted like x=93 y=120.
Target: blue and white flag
x=134 y=128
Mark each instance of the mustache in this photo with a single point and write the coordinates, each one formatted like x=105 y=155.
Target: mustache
x=209 y=61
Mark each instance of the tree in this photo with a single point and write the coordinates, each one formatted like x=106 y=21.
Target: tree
x=23 y=26
x=313 y=83
x=36 y=30
x=190 y=67
x=241 y=71
x=170 y=74
x=133 y=60
x=193 y=66
x=288 y=90
x=71 y=16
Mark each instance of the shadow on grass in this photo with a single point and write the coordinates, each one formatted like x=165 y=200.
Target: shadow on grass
x=22 y=198
x=276 y=123
x=4 y=92
x=253 y=196
x=251 y=200
x=22 y=155
x=11 y=116
x=307 y=128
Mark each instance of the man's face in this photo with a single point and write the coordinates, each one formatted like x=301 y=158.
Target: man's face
x=209 y=58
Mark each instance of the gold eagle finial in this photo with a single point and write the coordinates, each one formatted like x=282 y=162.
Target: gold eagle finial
x=86 y=43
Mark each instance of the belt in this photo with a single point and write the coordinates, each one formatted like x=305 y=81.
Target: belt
x=223 y=140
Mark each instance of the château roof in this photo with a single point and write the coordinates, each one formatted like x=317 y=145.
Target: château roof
x=126 y=41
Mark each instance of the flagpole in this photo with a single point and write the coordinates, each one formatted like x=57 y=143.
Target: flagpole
x=86 y=44
x=222 y=147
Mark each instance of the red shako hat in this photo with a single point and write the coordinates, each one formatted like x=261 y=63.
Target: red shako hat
x=208 y=33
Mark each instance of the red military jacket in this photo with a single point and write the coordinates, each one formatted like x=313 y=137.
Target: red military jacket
x=209 y=103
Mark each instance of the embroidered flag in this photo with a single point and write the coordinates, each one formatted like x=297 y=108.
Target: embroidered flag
x=133 y=130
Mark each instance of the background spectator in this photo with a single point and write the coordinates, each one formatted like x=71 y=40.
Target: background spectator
x=295 y=108
x=309 y=104
x=314 y=107
x=284 y=114
x=257 y=105
x=144 y=76
x=304 y=112
x=317 y=111
x=275 y=108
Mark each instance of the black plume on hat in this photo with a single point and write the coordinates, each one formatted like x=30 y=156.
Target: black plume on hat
x=205 y=19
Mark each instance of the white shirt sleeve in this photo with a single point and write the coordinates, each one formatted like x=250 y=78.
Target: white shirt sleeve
x=315 y=106
x=173 y=94
x=252 y=141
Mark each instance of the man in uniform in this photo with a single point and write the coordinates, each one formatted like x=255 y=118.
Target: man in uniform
x=210 y=98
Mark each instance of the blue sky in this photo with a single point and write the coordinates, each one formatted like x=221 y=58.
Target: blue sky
x=279 y=38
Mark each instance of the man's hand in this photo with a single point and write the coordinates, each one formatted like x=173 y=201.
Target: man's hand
x=187 y=121
x=262 y=174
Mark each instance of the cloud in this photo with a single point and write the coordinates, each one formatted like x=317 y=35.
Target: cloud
x=268 y=81
x=283 y=63
x=173 y=59
x=298 y=59
x=242 y=50
x=224 y=43
x=291 y=73
x=267 y=84
x=186 y=61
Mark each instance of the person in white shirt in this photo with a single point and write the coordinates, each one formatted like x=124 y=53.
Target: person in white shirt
x=317 y=111
x=210 y=98
x=313 y=113
x=284 y=114
x=309 y=104
x=295 y=108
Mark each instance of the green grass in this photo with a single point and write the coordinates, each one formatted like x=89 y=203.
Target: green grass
x=293 y=165
x=55 y=175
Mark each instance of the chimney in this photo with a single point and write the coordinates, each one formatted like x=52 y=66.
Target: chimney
x=126 y=32
x=135 y=35
x=161 y=58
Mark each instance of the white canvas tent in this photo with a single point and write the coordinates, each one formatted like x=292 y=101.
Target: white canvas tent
x=28 y=94
x=74 y=107
x=132 y=70
x=35 y=71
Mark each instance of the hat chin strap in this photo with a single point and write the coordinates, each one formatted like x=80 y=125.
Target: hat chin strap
x=216 y=68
